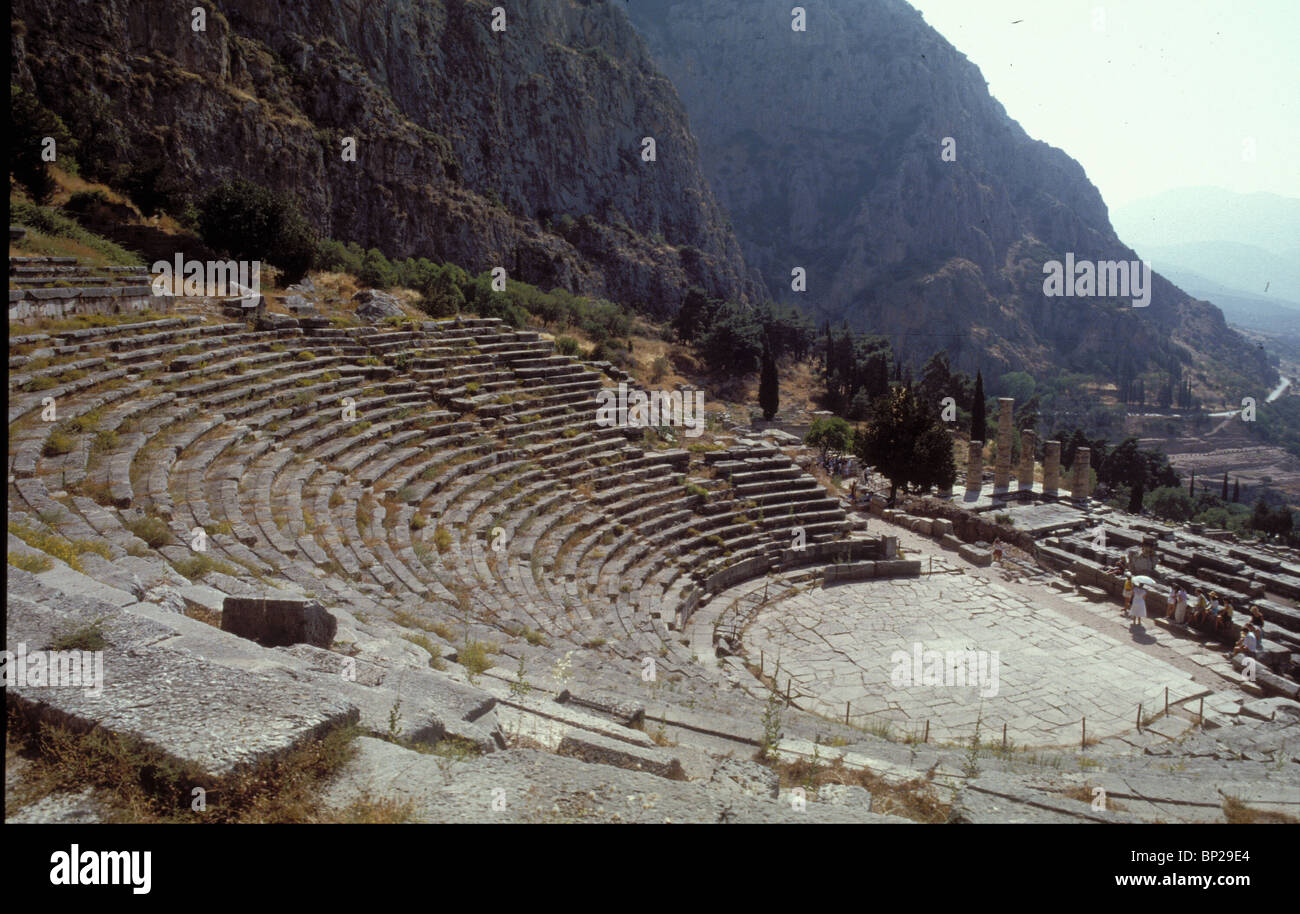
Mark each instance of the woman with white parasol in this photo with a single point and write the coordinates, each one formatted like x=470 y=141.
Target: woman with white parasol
x=1138 y=610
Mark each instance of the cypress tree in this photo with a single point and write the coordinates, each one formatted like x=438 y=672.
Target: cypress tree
x=1191 y=485
x=1236 y=490
x=978 y=428
x=1225 y=486
x=769 y=393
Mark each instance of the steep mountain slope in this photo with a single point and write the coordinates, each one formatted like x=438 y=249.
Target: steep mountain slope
x=519 y=148
x=825 y=146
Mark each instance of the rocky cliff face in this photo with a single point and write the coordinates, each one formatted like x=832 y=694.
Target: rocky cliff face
x=472 y=145
x=826 y=148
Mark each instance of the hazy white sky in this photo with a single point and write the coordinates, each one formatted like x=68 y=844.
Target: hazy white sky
x=1161 y=94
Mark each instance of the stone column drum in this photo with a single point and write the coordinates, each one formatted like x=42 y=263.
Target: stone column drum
x=1051 y=467
x=1027 y=444
x=975 y=466
x=1082 y=464
x=1002 y=469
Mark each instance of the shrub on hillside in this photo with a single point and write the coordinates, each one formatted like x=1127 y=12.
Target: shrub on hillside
x=1171 y=503
x=251 y=222
x=566 y=345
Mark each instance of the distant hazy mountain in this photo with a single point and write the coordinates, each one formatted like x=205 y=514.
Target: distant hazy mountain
x=1198 y=214
x=1270 y=313
x=1238 y=251
x=1244 y=267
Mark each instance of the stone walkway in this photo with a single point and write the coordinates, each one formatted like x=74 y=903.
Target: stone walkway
x=839 y=645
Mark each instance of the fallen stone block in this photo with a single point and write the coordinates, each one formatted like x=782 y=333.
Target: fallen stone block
x=604 y=750
x=279 y=623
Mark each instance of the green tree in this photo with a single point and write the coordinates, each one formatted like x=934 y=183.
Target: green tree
x=1018 y=384
x=769 y=392
x=31 y=124
x=251 y=222
x=851 y=363
x=695 y=314
x=978 y=419
x=1127 y=465
x=831 y=435
x=733 y=342
x=442 y=296
x=1171 y=503
x=1261 y=519
x=938 y=380
x=906 y=442
x=376 y=271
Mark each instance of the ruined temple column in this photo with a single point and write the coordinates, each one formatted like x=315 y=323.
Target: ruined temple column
x=975 y=466
x=1051 y=467
x=1002 y=468
x=1027 y=443
x=1082 y=464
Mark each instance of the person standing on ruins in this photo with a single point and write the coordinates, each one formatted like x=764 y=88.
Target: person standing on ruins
x=1128 y=594
x=1180 y=606
x=1138 y=605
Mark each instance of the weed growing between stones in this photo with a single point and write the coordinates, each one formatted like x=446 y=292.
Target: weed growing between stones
x=66 y=551
x=153 y=530
x=771 y=727
x=87 y=637
x=367 y=810
x=196 y=566
x=1238 y=813
x=914 y=799
x=971 y=768
x=474 y=658
x=520 y=686
x=394 y=721
x=31 y=561
x=1085 y=793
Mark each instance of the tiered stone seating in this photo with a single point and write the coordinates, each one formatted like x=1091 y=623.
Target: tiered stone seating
x=432 y=464
x=59 y=287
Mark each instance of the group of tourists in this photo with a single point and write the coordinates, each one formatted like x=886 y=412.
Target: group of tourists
x=836 y=466
x=1207 y=614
